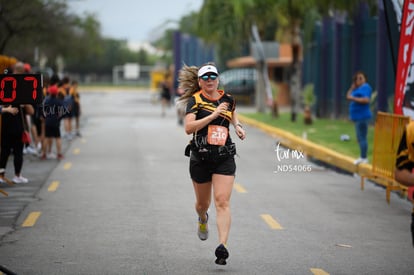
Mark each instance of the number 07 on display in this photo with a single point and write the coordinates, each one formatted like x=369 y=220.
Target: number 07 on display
x=18 y=89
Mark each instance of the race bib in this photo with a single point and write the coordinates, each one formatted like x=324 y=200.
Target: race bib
x=217 y=135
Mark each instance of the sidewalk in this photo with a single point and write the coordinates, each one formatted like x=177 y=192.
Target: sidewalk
x=37 y=172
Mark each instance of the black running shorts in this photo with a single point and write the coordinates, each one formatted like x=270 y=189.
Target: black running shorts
x=202 y=171
x=52 y=131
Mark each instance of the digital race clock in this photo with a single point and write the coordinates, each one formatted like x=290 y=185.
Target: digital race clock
x=16 y=89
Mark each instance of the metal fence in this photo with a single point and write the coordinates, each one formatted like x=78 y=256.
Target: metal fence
x=339 y=49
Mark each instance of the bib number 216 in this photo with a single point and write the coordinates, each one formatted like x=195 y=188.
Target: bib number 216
x=217 y=135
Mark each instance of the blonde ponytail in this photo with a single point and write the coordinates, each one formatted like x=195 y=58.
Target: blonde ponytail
x=188 y=82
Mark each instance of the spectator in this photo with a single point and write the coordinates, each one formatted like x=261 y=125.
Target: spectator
x=34 y=124
x=53 y=111
x=359 y=94
x=68 y=106
x=76 y=110
x=22 y=68
x=37 y=129
x=11 y=141
x=12 y=128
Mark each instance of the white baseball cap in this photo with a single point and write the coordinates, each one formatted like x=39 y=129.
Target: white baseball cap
x=207 y=69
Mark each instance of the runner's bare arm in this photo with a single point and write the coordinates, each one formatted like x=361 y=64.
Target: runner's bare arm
x=241 y=133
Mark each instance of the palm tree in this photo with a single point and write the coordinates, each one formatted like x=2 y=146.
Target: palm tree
x=217 y=23
x=233 y=28
x=287 y=16
x=228 y=24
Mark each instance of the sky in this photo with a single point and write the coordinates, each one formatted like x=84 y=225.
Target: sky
x=135 y=20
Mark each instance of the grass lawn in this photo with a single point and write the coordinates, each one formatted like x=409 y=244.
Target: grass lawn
x=325 y=132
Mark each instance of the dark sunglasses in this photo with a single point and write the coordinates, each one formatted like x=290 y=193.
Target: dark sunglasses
x=211 y=76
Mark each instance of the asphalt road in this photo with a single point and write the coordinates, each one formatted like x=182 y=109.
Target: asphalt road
x=121 y=202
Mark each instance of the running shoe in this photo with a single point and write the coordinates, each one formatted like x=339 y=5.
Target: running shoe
x=222 y=254
x=51 y=156
x=360 y=160
x=20 y=179
x=31 y=150
x=203 y=228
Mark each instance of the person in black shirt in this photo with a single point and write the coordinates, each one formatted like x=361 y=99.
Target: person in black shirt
x=53 y=112
x=12 y=128
x=11 y=141
x=405 y=164
x=209 y=113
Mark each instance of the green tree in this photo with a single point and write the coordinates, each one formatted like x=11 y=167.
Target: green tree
x=234 y=27
x=166 y=45
x=46 y=25
x=219 y=24
x=142 y=57
x=86 y=44
x=187 y=24
x=23 y=21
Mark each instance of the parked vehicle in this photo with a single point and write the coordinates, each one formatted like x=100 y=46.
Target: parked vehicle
x=240 y=83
